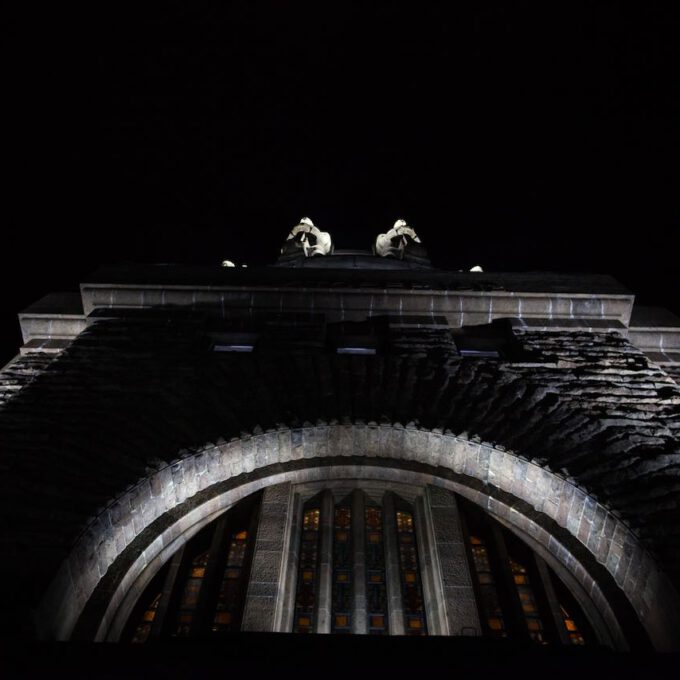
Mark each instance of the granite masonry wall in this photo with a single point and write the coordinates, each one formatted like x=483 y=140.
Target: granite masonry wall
x=138 y=416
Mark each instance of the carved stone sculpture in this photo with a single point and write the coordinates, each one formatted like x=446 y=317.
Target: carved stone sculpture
x=398 y=241
x=308 y=239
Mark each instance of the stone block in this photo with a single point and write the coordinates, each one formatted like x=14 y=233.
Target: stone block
x=284 y=445
x=266 y=566
x=461 y=610
x=446 y=529
x=259 y=614
x=440 y=498
x=297 y=443
x=248 y=454
x=257 y=589
x=272 y=525
x=573 y=520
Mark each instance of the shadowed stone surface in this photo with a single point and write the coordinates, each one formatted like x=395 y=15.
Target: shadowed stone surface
x=133 y=396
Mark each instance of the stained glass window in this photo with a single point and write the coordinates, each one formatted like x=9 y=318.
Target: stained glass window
x=341 y=617
x=189 y=598
x=305 y=597
x=490 y=604
x=527 y=599
x=414 y=612
x=232 y=586
x=376 y=593
x=143 y=629
x=575 y=636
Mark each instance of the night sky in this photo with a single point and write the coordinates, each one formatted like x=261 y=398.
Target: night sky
x=518 y=136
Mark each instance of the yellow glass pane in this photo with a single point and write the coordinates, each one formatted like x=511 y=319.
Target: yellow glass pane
x=304 y=621
x=495 y=624
x=571 y=626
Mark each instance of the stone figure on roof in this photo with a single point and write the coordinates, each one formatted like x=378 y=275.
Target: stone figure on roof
x=398 y=241
x=308 y=239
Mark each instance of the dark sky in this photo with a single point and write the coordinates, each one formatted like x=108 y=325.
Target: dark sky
x=519 y=136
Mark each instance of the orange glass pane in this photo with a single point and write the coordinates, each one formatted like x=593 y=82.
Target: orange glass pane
x=374 y=537
x=475 y=541
x=198 y=572
x=342 y=578
x=377 y=621
x=376 y=578
x=341 y=620
x=534 y=624
x=415 y=624
x=571 y=626
x=241 y=536
x=341 y=536
x=410 y=576
x=149 y=615
x=307 y=575
x=495 y=624
x=304 y=621
x=520 y=579
x=223 y=618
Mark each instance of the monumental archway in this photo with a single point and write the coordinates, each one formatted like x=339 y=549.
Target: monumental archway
x=128 y=542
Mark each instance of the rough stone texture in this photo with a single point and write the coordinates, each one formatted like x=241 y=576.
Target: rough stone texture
x=136 y=398
x=268 y=568
x=459 y=598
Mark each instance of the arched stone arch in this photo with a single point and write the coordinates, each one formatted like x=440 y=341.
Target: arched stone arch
x=149 y=521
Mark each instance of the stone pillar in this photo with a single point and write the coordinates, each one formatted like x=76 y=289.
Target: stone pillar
x=448 y=569
x=285 y=607
x=324 y=596
x=392 y=571
x=359 y=621
x=430 y=573
x=268 y=571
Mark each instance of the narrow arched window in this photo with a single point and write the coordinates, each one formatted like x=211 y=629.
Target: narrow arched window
x=308 y=581
x=414 y=610
x=489 y=603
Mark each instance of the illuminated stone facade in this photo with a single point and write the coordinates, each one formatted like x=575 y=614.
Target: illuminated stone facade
x=144 y=409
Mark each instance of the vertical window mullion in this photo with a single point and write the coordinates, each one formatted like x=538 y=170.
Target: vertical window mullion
x=392 y=570
x=342 y=600
x=359 y=586
x=376 y=576
x=324 y=598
